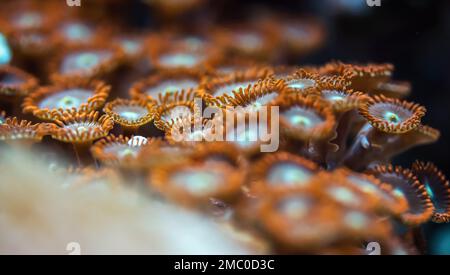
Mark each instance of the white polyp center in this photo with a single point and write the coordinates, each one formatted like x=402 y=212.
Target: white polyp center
x=122 y=150
x=28 y=20
x=5 y=50
x=287 y=173
x=130 y=113
x=344 y=195
x=302 y=118
x=333 y=95
x=171 y=86
x=245 y=135
x=302 y=84
x=84 y=61
x=82 y=129
x=180 y=60
x=249 y=40
x=295 y=208
x=76 y=31
x=390 y=113
x=392 y=117
x=261 y=101
x=127 y=152
x=130 y=46
x=356 y=220
x=199 y=181
x=68 y=99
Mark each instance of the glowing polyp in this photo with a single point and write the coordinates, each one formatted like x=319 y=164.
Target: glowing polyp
x=171 y=86
x=344 y=195
x=180 y=60
x=333 y=95
x=5 y=51
x=390 y=113
x=28 y=20
x=76 y=32
x=356 y=220
x=301 y=84
x=249 y=40
x=84 y=61
x=302 y=118
x=295 y=207
x=198 y=182
x=288 y=174
x=122 y=150
x=130 y=113
x=263 y=100
x=130 y=46
x=68 y=99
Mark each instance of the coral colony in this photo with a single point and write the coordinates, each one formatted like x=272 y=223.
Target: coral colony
x=106 y=97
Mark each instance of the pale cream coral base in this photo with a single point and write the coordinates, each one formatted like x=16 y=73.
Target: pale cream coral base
x=40 y=216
